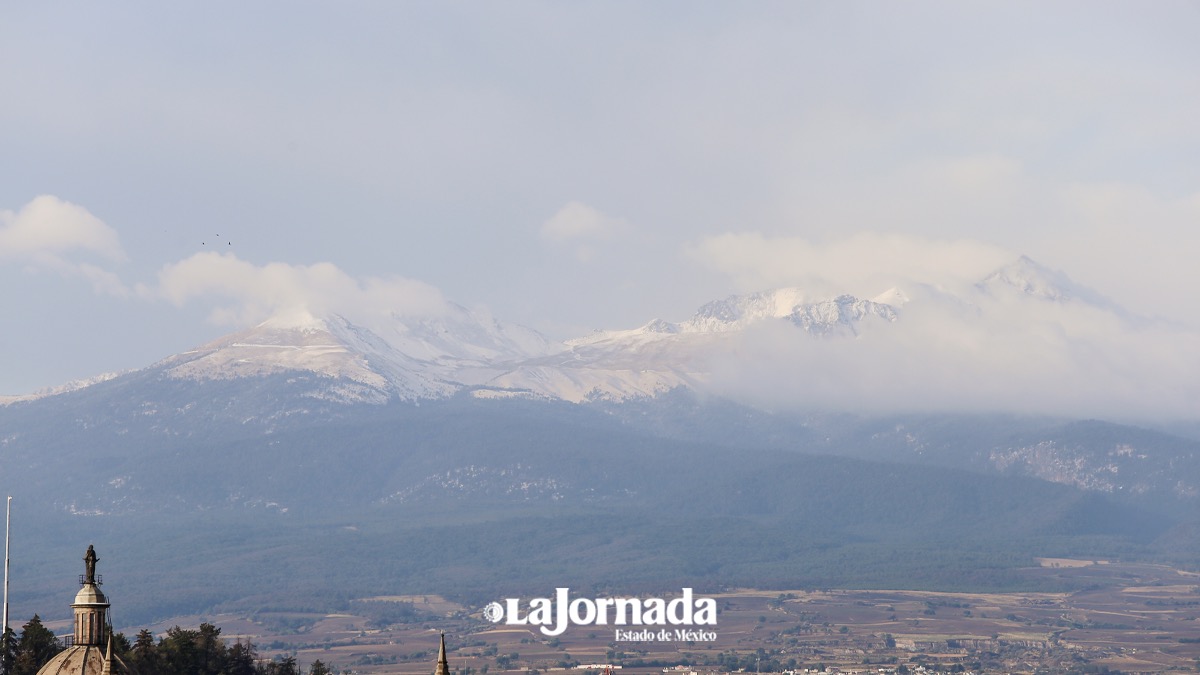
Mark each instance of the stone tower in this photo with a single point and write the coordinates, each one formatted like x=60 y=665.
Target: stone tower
x=91 y=607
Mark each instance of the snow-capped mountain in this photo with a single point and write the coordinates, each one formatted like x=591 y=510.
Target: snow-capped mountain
x=357 y=364
x=815 y=317
x=833 y=316
x=662 y=355
x=293 y=423
x=438 y=354
x=1026 y=278
x=434 y=356
x=401 y=357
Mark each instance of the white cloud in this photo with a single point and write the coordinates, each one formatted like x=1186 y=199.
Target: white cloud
x=1025 y=356
x=249 y=293
x=1137 y=245
x=957 y=348
x=864 y=264
x=51 y=234
x=48 y=225
x=577 y=220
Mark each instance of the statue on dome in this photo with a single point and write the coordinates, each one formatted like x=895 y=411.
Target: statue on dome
x=89 y=560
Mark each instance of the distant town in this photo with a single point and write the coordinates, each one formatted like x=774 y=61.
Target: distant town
x=1136 y=619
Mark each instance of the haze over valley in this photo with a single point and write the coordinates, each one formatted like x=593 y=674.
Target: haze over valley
x=309 y=305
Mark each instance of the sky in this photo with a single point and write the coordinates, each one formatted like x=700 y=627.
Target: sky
x=172 y=173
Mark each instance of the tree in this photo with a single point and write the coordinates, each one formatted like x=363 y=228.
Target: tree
x=8 y=651
x=281 y=666
x=240 y=660
x=144 y=656
x=211 y=649
x=318 y=668
x=192 y=652
x=36 y=646
x=121 y=646
x=177 y=652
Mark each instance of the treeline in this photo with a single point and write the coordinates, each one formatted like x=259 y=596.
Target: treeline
x=180 y=652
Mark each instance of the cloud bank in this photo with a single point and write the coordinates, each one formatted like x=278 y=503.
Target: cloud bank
x=55 y=235
x=51 y=234
x=984 y=352
x=583 y=227
x=864 y=264
x=956 y=346
x=248 y=294
x=577 y=220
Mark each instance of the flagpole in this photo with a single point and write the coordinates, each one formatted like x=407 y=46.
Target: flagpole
x=7 y=531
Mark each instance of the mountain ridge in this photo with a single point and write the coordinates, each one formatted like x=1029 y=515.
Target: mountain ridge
x=430 y=356
x=382 y=437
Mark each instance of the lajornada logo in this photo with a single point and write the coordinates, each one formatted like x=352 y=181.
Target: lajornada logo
x=553 y=615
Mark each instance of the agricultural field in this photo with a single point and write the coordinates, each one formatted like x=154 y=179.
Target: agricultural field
x=1129 y=618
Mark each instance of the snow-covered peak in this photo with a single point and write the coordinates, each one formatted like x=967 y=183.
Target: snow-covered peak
x=395 y=355
x=662 y=355
x=839 y=314
x=294 y=319
x=460 y=334
x=738 y=311
x=1030 y=278
x=656 y=329
x=815 y=316
x=278 y=346
x=892 y=296
x=661 y=326
x=437 y=353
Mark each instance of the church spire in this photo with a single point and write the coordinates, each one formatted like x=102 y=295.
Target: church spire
x=106 y=669
x=443 y=668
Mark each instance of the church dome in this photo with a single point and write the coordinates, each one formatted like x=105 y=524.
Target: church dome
x=77 y=660
x=91 y=650
x=90 y=594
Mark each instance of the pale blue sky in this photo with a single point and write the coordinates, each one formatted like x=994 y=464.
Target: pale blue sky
x=576 y=165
